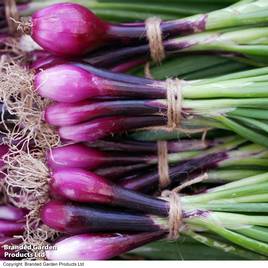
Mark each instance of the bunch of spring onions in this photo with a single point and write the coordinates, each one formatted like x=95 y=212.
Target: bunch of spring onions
x=137 y=171
x=103 y=178
x=221 y=36
x=94 y=103
x=27 y=8
x=86 y=32
x=241 y=221
x=117 y=11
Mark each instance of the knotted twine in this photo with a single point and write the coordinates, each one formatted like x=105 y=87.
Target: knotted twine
x=174 y=108
x=154 y=36
x=12 y=15
x=175 y=215
x=174 y=94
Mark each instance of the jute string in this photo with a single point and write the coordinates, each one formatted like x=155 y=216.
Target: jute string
x=154 y=36
x=12 y=15
x=174 y=108
x=163 y=168
x=175 y=217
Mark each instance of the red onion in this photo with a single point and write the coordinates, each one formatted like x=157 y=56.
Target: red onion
x=67 y=29
x=86 y=187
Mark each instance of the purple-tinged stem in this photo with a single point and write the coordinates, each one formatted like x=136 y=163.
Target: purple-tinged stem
x=151 y=147
x=103 y=127
x=99 y=246
x=65 y=114
x=129 y=32
x=48 y=61
x=121 y=55
x=117 y=172
x=82 y=156
x=79 y=219
x=127 y=66
x=103 y=73
x=177 y=174
x=86 y=187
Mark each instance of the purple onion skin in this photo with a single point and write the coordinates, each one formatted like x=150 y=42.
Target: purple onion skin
x=67 y=29
x=76 y=82
x=78 y=219
x=68 y=83
x=65 y=114
x=11 y=213
x=82 y=156
x=103 y=127
x=75 y=155
x=9 y=228
x=81 y=186
x=86 y=187
x=99 y=246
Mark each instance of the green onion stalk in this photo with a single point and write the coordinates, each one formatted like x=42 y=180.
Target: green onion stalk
x=239 y=212
x=121 y=11
x=185 y=248
x=205 y=66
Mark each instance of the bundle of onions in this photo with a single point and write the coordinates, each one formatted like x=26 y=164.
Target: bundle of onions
x=92 y=104
x=138 y=172
x=224 y=210
x=87 y=31
x=116 y=11
x=95 y=106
